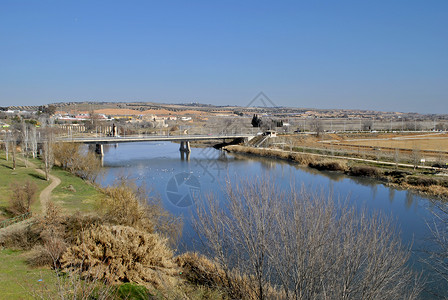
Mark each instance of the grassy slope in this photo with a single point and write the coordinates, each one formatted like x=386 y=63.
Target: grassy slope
x=21 y=173
x=82 y=198
x=16 y=277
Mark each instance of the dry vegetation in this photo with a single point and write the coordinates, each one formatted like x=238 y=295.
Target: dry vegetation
x=427 y=183
x=273 y=245
x=69 y=156
x=261 y=243
x=22 y=196
x=127 y=204
x=429 y=143
x=121 y=254
x=109 y=247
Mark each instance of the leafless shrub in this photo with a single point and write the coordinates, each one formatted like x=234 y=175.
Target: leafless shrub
x=52 y=238
x=301 y=158
x=310 y=246
x=415 y=157
x=330 y=165
x=201 y=271
x=23 y=195
x=421 y=181
x=127 y=204
x=364 y=171
x=85 y=165
x=317 y=126
x=48 y=151
x=121 y=254
x=20 y=237
x=438 y=259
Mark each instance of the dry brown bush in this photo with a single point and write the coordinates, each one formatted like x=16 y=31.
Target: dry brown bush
x=330 y=165
x=20 y=237
x=75 y=223
x=52 y=238
x=301 y=158
x=421 y=181
x=23 y=195
x=201 y=271
x=121 y=254
x=126 y=204
x=66 y=155
x=364 y=171
x=69 y=156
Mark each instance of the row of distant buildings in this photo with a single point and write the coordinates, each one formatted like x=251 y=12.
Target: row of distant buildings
x=102 y=117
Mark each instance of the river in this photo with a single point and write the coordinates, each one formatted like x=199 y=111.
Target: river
x=178 y=182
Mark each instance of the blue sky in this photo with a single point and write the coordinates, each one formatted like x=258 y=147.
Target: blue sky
x=384 y=55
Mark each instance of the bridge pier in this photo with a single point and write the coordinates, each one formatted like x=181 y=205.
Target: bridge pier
x=99 y=149
x=185 y=146
x=184 y=155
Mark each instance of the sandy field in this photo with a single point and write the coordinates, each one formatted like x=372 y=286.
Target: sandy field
x=432 y=143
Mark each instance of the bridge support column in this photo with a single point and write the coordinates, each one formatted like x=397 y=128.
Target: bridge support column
x=99 y=149
x=185 y=146
x=184 y=155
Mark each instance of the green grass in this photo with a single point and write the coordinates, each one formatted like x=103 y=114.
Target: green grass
x=21 y=174
x=17 y=279
x=83 y=197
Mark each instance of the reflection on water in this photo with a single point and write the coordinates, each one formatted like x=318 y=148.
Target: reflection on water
x=391 y=195
x=156 y=164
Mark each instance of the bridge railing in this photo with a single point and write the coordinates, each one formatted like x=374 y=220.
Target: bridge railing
x=149 y=136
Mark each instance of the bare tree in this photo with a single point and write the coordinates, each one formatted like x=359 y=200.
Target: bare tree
x=24 y=142
x=317 y=127
x=33 y=141
x=415 y=157
x=7 y=144
x=48 y=155
x=438 y=255
x=297 y=245
x=367 y=125
x=396 y=157
x=13 y=148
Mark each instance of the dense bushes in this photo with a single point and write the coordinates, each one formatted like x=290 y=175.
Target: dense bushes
x=22 y=196
x=127 y=204
x=421 y=181
x=70 y=157
x=329 y=165
x=364 y=171
x=121 y=254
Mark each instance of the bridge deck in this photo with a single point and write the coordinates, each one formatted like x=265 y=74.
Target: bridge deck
x=152 y=138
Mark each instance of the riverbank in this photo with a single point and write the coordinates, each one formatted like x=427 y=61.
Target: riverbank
x=69 y=208
x=426 y=180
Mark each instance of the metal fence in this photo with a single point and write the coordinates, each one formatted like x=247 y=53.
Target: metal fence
x=16 y=219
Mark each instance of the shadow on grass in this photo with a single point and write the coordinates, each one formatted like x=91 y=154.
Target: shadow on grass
x=38 y=176
x=6 y=166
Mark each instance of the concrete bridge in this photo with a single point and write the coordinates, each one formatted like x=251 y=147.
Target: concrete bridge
x=183 y=139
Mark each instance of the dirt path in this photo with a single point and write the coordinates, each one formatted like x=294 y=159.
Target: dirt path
x=45 y=195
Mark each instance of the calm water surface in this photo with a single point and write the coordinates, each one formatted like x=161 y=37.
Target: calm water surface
x=158 y=165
